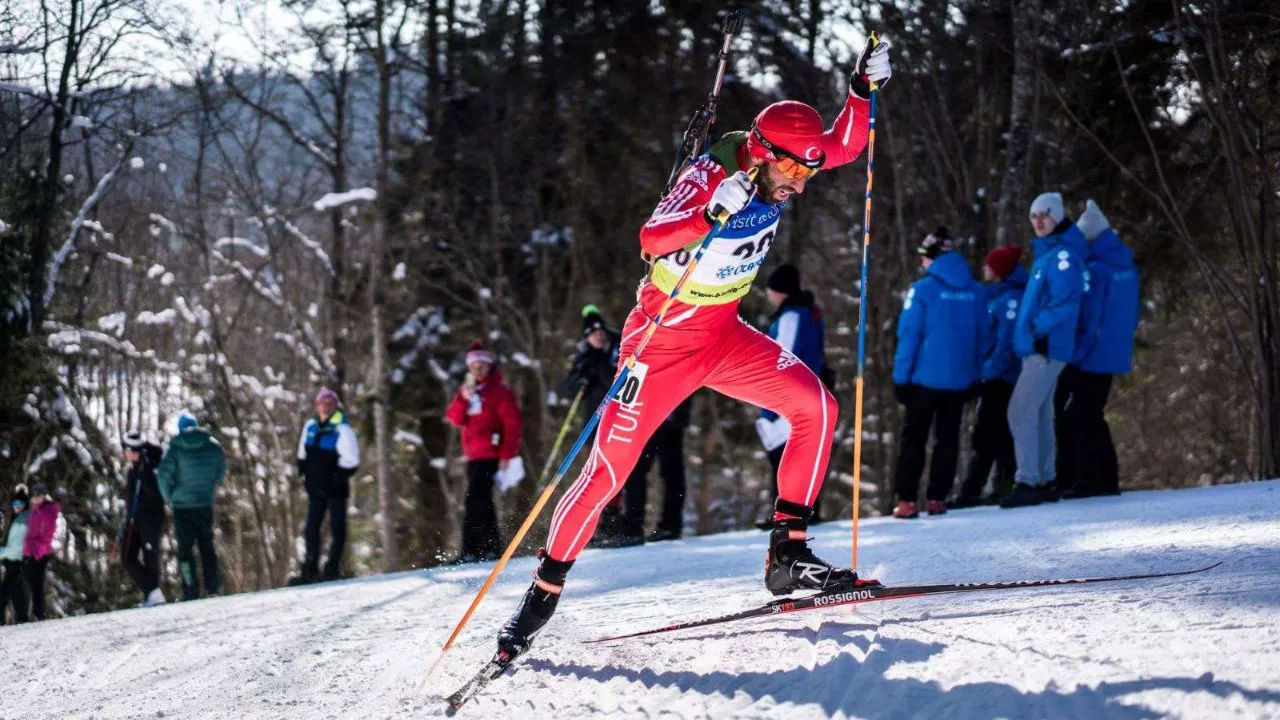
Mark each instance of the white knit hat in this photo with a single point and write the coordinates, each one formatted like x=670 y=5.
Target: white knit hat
x=1092 y=223
x=1049 y=203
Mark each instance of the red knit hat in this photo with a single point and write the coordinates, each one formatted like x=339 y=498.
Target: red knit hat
x=1003 y=260
x=477 y=353
x=791 y=126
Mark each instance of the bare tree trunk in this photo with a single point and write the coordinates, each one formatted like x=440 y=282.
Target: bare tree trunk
x=381 y=390
x=1018 y=148
x=50 y=188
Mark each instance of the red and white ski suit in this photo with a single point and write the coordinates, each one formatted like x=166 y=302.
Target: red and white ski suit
x=703 y=343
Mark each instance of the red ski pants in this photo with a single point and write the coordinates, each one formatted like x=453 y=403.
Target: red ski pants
x=731 y=358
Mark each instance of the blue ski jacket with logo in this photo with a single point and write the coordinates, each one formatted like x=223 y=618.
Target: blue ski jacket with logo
x=1003 y=299
x=1109 y=311
x=943 y=327
x=1051 y=304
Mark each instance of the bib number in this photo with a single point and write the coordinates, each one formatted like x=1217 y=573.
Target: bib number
x=630 y=390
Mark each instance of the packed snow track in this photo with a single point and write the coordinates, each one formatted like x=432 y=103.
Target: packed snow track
x=1205 y=646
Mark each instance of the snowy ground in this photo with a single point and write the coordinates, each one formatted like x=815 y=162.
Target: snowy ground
x=1201 y=647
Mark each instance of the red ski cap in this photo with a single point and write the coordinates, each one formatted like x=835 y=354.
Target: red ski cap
x=788 y=129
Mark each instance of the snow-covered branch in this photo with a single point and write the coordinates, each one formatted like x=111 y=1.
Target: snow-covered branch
x=69 y=340
x=302 y=237
x=76 y=225
x=333 y=200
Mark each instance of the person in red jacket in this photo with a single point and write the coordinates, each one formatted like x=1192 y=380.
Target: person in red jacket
x=485 y=411
x=702 y=342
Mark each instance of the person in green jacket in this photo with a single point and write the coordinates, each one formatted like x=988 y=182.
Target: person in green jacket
x=191 y=470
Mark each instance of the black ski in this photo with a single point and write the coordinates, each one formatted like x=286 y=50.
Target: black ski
x=877 y=592
x=492 y=669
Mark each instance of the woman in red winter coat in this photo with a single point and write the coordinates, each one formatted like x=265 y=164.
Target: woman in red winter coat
x=37 y=549
x=485 y=411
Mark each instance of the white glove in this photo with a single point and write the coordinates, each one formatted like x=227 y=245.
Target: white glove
x=511 y=475
x=731 y=196
x=872 y=67
x=773 y=433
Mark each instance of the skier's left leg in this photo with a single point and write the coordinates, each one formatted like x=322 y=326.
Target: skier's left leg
x=672 y=367
x=755 y=369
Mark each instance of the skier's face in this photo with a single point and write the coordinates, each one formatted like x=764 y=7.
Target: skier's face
x=776 y=187
x=133 y=456
x=988 y=274
x=775 y=297
x=598 y=339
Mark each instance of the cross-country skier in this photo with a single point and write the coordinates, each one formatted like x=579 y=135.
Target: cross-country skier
x=703 y=343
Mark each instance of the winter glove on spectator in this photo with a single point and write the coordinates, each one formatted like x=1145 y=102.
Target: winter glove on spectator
x=731 y=196
x=872 y=67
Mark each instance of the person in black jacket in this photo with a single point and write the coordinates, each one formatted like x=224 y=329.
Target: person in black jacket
x=328 y=455
x=143 y=526
x=622 y=522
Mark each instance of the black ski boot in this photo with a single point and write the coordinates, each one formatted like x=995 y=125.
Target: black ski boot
x=536 y=608
x=790 y=565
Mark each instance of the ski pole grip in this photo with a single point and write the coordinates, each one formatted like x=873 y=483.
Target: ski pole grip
x=724 y=216
x=875 y=42
x=733 y=23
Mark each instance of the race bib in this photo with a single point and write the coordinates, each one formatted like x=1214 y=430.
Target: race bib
x=630 y=390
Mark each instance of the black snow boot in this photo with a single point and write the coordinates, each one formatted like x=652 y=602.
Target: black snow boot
x=536 y=608
x=790 y=565
x=1023 y=495
x=308 y=575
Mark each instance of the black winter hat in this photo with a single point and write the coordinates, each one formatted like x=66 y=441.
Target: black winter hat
x=936 y=243
x=786 y=280
x=592 y=320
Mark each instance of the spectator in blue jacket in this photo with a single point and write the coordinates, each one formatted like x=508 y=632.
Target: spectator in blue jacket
x=941 y=341
x=797 y=326
x=1044 y=336
x=992 y=443
x=1087 y=463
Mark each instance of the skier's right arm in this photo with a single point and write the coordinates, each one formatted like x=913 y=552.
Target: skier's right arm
x=681 y=217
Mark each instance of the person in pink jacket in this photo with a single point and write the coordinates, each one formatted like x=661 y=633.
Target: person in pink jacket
x=37 y=549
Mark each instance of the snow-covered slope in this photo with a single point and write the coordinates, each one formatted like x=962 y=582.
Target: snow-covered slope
x=1199 y=647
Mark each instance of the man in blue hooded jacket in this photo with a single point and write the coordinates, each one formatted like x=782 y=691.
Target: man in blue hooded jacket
x=1087 y=463
x=941 y=339
x=992 y=443
x=1044 y=336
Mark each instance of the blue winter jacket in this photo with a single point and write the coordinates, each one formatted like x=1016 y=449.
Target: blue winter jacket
x=1051 y=304
x=798 y=326
x=1109 y=311
x=1003 y=299
x=943 y=328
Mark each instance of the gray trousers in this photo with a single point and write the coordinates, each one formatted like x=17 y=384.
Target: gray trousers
x=1031 y=420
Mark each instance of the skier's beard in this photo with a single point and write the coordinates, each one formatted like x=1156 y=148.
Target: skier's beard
x=768 y=189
